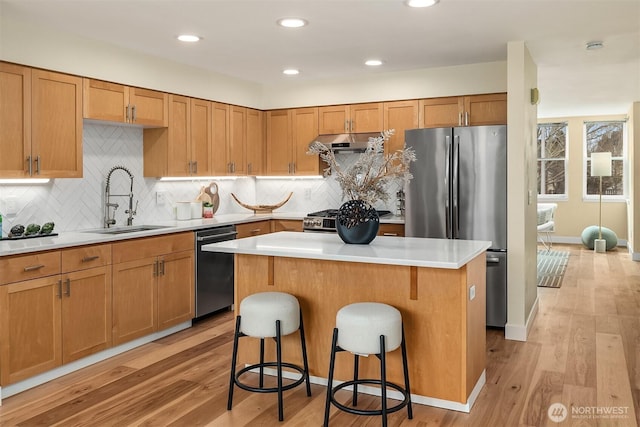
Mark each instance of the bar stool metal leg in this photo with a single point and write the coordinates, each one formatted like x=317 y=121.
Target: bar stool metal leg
x=405 y=366
x=303 y=343
x=383 y=380
x=261 y=384
x=279 y=369
x=232 y=379
x=332 y=361
x=356 y=366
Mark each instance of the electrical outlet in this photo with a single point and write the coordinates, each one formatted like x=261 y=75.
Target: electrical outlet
x=161 y=198
x=472 y=292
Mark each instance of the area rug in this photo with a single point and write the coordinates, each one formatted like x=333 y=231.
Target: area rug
x=551 y=267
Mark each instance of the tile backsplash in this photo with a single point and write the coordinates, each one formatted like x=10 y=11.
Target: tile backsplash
x=78 y=203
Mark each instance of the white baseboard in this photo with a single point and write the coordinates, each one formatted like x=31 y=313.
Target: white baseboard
x=37 y=380
x=521 y=332
x=392 y=394
x=571 y=240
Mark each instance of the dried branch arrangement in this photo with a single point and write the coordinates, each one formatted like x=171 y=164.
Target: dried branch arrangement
x=368 y=178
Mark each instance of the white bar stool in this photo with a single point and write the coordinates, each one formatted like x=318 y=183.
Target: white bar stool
x=269 y=315
x=368 y=328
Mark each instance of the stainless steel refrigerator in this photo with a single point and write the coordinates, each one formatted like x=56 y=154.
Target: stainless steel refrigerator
x=459 y=191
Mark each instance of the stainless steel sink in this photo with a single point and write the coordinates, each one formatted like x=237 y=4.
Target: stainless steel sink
x=128 y=229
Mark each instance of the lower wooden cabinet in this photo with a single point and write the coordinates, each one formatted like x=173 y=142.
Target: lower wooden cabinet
x=153 y=285
x=391 y=230
x=250 y=229
x=48 y=321
x=285 y=225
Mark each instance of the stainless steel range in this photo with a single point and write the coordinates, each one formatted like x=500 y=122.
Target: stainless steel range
x=325 y=221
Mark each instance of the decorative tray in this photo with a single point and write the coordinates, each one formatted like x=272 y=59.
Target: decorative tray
x=32 y=236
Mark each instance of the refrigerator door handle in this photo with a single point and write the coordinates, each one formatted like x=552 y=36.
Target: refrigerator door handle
x=455 y=219
x=447 y=202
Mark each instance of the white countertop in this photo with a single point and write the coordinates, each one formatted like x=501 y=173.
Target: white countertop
x=411 y=251
x=67 y=239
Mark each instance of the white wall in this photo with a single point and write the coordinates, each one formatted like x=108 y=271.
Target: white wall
x=521 y=188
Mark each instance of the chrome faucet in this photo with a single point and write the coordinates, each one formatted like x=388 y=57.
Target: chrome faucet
x=111 y=220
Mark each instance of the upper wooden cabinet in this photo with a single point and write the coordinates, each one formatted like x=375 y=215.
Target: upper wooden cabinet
x=221 y=121
x=474 y=110
x=184 y=147
x=357 y=118
x=236 y=148
x=255 y=142
x=399 y=115
x=289 y=133
x=123 y=104
x=40 y=123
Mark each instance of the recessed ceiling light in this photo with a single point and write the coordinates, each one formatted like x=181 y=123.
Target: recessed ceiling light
x=421 y=3
x=290 y=71
x=594 y=45
x=292 y=22
x=188 y=38
x=373 y=62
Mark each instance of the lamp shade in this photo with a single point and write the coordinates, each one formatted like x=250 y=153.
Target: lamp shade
x=601 y=164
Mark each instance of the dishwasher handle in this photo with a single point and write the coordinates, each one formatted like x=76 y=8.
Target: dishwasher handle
x=217 y=236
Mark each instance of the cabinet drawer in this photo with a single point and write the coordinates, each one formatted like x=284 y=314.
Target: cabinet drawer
x=152 y=246
x=391 y=230
x=85 y=257
x=250 y=229
x=25 y=267
x=285 y=225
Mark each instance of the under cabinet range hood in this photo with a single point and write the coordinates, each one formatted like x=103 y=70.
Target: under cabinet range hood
x=346 y=142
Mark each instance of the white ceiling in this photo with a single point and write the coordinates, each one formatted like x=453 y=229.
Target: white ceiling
x=241 y=39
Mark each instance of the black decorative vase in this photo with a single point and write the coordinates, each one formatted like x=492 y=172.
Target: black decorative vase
x=357 y=222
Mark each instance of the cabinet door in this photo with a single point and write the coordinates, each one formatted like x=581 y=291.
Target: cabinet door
x=441 y=112
x=278 y=142
x=86 y=312
x=237 y=140
x=400 y=115
x=486 y=109
x=148 y=107
x=201 y=137
x=255 y=142
x=333 y=119
x=391 y=230
x=134 y=299
x=56 y=124
x=220 y=138
x=30 y=328
x=304 y=130
x=366 y=117
x=179 y=144
x=105 y=101
x=15 y=120
x=175 y=289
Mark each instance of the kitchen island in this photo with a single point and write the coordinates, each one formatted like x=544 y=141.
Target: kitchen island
x=438 y=286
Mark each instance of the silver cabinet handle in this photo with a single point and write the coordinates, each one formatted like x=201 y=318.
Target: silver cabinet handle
x=38 y=165
x=133 y=113
x=466 y=118
x=161 y=268
x=30 y=167
x=126 y=113
x=59 y=293
x=90 y=258
x=389 y=234
x=68 y=283
x=33 y=267
x=460 y=118
x=249 y=168
x=352 y=125
x=155 y=269
x=195 y=166
x=294 y=167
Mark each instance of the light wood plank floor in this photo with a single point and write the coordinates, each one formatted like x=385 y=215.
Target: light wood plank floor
x=583 y=352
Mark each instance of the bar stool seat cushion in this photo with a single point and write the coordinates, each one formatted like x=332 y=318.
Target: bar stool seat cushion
x=361 y=324
x=260 y=311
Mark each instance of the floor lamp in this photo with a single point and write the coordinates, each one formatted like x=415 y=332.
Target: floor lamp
x=600 y=166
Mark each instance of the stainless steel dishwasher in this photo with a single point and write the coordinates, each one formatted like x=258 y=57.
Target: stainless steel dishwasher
x=214 y=271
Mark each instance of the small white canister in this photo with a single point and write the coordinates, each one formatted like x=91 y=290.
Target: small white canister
x=196 y=210
x=183 y=210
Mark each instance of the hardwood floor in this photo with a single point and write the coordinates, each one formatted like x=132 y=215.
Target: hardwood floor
x=583 y=352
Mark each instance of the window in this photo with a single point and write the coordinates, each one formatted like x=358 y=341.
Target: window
x=552 y=160
x=611 y=137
